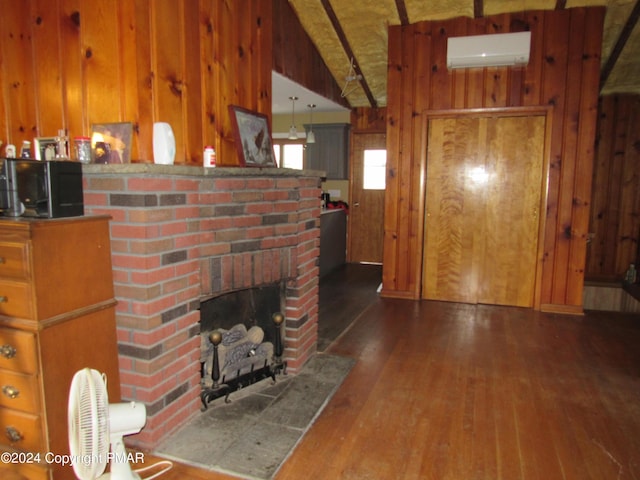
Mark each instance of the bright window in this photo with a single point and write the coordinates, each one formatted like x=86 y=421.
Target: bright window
x=375 y=163
x=293 y=156
x=289 y=155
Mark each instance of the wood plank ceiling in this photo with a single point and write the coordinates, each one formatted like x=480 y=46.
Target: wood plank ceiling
x=351 y=37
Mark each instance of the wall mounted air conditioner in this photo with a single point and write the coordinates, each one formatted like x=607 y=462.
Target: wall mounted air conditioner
x=499 y=50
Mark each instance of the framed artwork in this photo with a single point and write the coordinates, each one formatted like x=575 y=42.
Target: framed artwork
x=253 y=138
x=111 y=142
x=45 y=148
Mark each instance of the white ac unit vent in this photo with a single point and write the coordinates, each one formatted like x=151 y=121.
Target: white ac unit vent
x=498 y=50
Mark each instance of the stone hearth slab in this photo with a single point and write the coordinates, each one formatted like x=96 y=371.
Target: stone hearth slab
x=253 y=435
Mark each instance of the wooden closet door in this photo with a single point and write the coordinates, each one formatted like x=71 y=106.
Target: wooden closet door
x=484 y=184
x=453 y=230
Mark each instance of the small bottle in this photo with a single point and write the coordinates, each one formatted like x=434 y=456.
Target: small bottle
x=209 y=157
x=25 y=151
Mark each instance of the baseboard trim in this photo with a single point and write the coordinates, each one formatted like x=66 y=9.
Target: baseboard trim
x=562 y=309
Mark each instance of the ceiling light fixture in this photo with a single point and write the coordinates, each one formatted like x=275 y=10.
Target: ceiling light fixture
x=293 y=133
x=311 y=138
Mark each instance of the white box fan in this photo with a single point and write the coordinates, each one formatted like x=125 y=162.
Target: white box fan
x=97 y=428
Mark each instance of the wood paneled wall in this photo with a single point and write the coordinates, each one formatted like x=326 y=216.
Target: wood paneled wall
x=72 y=63
x=367 y=119
x=563 y=72
x=615 y=212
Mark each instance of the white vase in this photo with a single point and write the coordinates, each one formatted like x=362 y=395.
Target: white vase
x=164 y=144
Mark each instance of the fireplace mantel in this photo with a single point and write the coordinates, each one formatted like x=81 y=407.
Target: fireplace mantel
x=183 y=233
x=191 y=170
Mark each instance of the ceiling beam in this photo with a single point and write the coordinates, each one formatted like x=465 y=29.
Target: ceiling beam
x=620 y=44
x=478 y=8
x=347 y=48
x=402 y=12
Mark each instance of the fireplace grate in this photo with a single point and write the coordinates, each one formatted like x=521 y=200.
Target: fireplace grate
x=250 y=360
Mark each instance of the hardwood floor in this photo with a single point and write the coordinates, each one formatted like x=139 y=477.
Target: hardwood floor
x=454 y=391
x=344 y=294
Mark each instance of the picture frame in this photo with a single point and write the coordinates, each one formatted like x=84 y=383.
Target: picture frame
x=111 y=142
x=45 y=148
x=253 y=138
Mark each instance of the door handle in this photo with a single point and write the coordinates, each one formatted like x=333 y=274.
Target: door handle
x=357 y=204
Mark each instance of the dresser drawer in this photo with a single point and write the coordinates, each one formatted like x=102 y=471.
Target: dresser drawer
x=14 y=260
x=30 y=471
x=21 y=430
x=18 y=351
x=15 y=299
x=19 y=391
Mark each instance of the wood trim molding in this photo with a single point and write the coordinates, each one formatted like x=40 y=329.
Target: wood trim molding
x=398 y=294
x=490 y=112
x=562 y=309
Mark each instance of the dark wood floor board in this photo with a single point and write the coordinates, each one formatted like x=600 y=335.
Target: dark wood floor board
x=344 y=294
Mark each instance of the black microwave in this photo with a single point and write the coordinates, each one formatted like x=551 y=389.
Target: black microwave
x=34 y=188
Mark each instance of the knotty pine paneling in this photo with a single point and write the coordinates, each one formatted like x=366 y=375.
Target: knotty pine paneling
x=49 y=99
x=563 y=73
x=369 y=120
x=242 y=63
x=615 y=209
x=18 y=84
x=72 y=63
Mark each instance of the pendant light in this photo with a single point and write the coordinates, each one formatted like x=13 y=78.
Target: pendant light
x=293 y=133
x=311 y=138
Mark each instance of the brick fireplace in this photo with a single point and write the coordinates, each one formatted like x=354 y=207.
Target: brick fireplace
x=183 y=234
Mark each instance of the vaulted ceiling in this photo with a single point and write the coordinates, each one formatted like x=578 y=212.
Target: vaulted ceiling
x=351 y=36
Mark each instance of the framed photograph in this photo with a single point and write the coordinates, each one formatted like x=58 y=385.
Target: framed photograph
x=111 y=142
x=253 y=138
x=45 y=148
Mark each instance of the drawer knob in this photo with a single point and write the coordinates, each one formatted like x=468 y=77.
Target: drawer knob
x=4 y=299
x=7 y=351
x=10 y=391
x=2 y=260
x=13 y=434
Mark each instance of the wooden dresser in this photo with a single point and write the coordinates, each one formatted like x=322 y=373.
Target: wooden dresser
x=57 y=316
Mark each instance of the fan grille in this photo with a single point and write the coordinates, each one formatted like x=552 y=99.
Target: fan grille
x=89 y=423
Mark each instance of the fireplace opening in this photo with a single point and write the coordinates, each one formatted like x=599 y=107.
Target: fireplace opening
x=241 y=340
x=251 y=307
